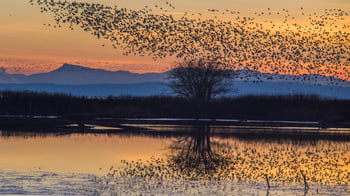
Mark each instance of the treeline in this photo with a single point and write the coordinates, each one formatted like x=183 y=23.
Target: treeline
x=296 y=107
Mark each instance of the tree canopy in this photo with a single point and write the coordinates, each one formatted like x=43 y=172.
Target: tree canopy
x=200 y=79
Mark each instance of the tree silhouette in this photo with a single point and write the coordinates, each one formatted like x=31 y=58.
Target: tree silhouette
x=200 y=80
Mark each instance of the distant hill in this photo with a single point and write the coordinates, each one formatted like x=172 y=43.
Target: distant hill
x=74 y=74
x=79 y=80
x=313 y=79
x=94 y=90
x=79 y=75
x=159 y=88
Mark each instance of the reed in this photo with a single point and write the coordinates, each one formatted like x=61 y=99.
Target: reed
x=304 y=177
x=267 y=181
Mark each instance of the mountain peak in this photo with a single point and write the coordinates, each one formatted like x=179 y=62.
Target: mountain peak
x=70 y=67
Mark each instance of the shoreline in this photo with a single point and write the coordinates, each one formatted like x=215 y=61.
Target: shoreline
x=165 y=127
x=44 y=119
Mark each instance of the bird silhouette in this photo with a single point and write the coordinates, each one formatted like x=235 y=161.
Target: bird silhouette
x=320 y=45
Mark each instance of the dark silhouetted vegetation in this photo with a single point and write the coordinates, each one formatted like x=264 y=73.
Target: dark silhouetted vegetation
x=297 y=107
x=200 y=80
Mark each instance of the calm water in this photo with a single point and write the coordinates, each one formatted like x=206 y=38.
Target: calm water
x=180 y=160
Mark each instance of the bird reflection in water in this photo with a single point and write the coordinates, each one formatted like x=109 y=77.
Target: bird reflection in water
x=199 y=156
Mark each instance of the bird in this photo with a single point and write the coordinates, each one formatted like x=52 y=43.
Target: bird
x=322 y=46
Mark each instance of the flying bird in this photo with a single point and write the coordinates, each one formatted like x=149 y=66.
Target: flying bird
x=320 y=47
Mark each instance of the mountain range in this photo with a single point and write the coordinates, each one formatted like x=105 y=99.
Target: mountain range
x=84 y=81
x=78 y=75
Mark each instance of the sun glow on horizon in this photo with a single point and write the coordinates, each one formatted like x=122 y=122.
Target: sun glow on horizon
x=29 y=46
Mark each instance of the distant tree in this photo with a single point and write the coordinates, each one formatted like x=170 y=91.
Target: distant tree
x=200 y=79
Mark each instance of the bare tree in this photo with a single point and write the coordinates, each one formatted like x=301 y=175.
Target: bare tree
x=200 y=79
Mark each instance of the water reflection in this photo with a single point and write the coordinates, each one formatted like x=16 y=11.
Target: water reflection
x=26 y=134
x=175 y=158
x=199 y=156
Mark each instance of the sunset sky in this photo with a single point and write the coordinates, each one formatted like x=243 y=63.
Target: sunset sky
x=28 y=46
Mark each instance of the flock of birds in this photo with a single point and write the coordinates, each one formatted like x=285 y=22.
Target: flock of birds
x=319 y=44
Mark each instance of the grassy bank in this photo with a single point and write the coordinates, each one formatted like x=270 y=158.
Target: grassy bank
x=296 y=108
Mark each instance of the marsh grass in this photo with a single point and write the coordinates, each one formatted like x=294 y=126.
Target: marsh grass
x=296 y=107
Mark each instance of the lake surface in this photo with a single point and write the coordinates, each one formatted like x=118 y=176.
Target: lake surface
x=174 y=159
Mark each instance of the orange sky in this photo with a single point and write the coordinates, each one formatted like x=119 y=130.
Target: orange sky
x=27 y=46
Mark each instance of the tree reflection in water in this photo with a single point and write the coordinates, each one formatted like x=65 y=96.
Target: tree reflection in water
x=197 y=157
x=194 y=157
x=200 y=157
